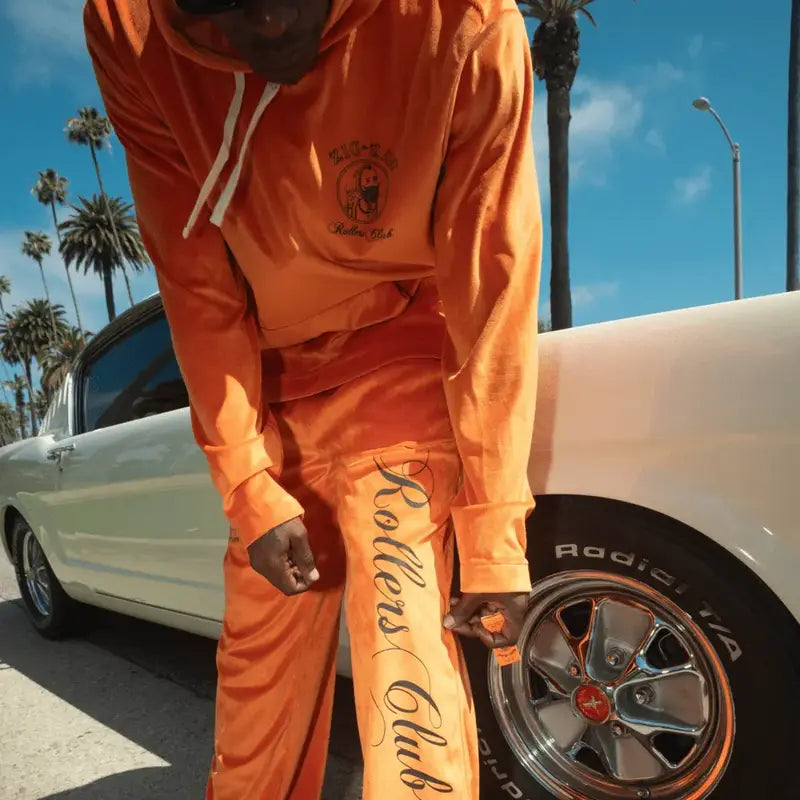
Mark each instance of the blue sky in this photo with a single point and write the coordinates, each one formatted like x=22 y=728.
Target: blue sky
x=651 y=211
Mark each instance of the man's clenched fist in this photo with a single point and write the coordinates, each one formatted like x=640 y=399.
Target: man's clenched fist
x=466 y=612
x=283 y=556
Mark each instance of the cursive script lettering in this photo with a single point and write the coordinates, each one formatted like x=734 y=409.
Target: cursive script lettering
x=398 y=569
x=343 y=229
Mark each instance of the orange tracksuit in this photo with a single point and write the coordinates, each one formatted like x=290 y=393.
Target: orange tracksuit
x=350 y=270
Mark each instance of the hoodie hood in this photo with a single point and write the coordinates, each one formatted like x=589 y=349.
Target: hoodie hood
x=198 y=39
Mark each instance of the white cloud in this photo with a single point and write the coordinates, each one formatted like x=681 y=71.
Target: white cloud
x=49 y=36
x=585 y=295
x=654 y=138
x=603 y=115
x=664 y=75
x=696 y=44
x=689 y=189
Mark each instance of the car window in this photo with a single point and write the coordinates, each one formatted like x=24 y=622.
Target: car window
x=56 y=421
x=137 y=376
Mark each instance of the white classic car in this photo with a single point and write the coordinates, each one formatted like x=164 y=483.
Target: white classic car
x=661 y=652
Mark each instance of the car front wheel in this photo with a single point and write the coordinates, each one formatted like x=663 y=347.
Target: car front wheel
x=654 y=667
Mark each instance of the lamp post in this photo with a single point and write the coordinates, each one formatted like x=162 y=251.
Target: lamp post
x=704 y=104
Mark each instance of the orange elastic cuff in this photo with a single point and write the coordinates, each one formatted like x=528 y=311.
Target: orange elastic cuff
x=491 y=546
x=259 y=505
x=494 y=578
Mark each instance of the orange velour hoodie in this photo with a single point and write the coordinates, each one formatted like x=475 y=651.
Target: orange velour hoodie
x=385 y=207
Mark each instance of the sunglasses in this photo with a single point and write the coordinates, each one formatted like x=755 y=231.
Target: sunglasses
x=208 y=6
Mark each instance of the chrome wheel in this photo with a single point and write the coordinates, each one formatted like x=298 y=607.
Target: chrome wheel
x=37 y=579
x=618 y=695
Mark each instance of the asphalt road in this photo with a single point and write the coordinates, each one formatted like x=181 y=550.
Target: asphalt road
x=124 y=713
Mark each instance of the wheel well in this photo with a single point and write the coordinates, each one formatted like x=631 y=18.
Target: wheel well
x=10 y=517
x=560 y=507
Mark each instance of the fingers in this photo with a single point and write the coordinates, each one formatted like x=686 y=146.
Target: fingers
x=302 y=557
x=463 y=612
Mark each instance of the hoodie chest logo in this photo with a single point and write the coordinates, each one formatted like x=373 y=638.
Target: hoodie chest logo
x=362 y=189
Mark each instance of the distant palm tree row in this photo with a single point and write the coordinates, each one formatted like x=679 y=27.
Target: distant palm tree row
x=98 y=235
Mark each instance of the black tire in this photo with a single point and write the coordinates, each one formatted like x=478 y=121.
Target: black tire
x=63 y=617
x=760 y=653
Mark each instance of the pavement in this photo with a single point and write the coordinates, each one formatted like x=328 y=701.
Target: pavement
x=123 y=713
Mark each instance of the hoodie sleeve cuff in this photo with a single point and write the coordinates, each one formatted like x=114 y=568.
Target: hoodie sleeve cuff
x=258 y=505
x=492 y=542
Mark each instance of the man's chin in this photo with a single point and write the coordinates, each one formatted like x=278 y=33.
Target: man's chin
x=284 y=75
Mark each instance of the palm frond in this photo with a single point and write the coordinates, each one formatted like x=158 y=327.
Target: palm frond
x=90 y=127
x=58 y=361
x=36 y=245
x=50 y=187
x=87 y=238
x=553 y=10
x=27 y=333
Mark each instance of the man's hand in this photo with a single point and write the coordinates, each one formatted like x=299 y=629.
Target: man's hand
x=283 y=556
x=466 y=612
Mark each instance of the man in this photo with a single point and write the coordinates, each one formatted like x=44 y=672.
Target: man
x=340 y=201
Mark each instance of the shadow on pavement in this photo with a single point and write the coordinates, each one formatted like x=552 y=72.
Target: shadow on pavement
x=129 y=786
x=151 y=685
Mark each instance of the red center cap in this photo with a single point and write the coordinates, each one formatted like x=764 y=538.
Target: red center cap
x=593 y=704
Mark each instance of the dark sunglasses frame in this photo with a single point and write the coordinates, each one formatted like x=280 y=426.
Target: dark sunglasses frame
x=208 y=6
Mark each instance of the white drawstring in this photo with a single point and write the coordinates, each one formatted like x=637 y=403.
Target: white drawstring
x=225 y=198
x=224 y=154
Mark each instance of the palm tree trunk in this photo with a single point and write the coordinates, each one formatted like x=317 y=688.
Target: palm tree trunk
x=49 y=303
x=113 y=224
x=128 y=286
x=558 y=119
x=66 y=269
x=31 y=395
x=19 y=401
x=6 y=381
x=793 y=185
x=109 y=286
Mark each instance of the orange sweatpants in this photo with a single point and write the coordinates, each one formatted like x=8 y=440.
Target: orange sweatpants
x=375 y=467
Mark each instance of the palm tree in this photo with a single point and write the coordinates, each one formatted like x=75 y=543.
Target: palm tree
x=555 y=48
x=555 y=61
x=8 y=424
x=793 y=187
x=42 y=403
x=58 y=361
x=90 y=241
x=51 y=188
x=31 y=324
x=8 y=348
x=17 y=386
x=37 y=246
x=27 y=333
x=90 y=128
x=5 y=379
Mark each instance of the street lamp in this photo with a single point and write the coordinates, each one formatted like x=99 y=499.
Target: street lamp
x=704 y=104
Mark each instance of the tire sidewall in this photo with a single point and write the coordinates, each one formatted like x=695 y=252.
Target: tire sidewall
x=737 y=614
x=57 y=622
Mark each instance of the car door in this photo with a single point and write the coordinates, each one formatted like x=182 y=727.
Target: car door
x=134 y=506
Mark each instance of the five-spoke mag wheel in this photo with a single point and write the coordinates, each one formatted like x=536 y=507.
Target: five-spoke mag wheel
x=618 y=695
